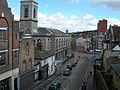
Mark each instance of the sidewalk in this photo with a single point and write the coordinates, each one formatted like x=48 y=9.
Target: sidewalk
x=40 y=85
x=90 y=79
x=88 y=82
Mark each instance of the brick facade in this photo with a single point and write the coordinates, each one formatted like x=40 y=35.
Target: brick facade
x=102 y=26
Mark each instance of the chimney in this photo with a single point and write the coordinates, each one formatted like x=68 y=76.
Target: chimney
x=66 y=31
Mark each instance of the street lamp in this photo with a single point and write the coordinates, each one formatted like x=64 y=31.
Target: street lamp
x=19 y=53
x=19 y=66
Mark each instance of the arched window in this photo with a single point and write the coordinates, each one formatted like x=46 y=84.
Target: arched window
x=16 y=36
x=30 y=63
x=27 y=48
x=24 y=66
x=34 y=13
x=26 y=13
x=39 y=45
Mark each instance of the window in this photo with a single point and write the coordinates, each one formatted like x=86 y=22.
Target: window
x=16 y=54
x=16 y=36
x=30 y=63
x=48 y=44
x=34 y=13
x=2 y=59
x=44 y=61
x=2 y=35
x=52 y=67
x=59 y=43
x=27 y=48
x=26 y=13
x=24 y=65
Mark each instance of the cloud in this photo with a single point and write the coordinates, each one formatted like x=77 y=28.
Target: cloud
x=73 y=23
x=72 y=1
x=46 y=6
x=88 y=16
x=112 y=4
x=113 y=21
x=16 y=16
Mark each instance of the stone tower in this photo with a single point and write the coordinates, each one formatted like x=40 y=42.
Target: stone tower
x=28 y=15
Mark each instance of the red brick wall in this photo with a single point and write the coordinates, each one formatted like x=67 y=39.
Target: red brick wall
x=102 y=26
x=15 y=31
x=15 y=43
x=15 y=60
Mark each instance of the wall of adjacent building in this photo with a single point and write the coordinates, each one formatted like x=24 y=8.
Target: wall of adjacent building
x=116 y=79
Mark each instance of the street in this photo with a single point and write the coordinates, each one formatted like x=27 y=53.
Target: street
x=75 y=80
x=78 y=73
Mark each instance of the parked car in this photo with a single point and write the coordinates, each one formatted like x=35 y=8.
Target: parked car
x=73 y=64
x=66 y=72
x=75 y=61
x=55 y=86
x=72 y=55
x=69 y=67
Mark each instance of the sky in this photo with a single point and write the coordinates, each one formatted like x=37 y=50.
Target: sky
x=73 y=15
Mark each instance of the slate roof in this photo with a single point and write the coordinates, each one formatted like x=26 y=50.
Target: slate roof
x=57 y=32
x=50 y=31
x=40 y=55
x=43 y=31
x=116 y=68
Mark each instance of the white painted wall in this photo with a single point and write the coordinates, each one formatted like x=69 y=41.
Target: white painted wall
x=50 y=61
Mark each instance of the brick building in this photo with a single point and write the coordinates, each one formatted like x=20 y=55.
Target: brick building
x=102 y=27
x=26 y=60
x=8 y=66
x=112 y=37
x=28 y=26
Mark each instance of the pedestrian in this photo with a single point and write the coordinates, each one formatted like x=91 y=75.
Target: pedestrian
x=90 y=73
x=82 y=88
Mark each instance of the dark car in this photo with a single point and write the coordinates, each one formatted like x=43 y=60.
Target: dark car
x=55 y=86
x=75 y=61
x=66 y=72
x=69 y=67
x=73 y=64
x=72 y=55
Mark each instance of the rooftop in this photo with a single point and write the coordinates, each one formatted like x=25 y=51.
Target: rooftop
x=116 y=68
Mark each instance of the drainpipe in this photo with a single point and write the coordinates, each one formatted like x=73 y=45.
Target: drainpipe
x=19 y=67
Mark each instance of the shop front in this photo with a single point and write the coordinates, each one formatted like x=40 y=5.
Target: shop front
x=4 y=84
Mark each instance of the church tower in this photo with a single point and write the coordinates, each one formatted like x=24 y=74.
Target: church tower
x=28 y=15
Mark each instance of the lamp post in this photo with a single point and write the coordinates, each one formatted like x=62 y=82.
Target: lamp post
x=94 y=46
x=19 y=68
x=19 y=53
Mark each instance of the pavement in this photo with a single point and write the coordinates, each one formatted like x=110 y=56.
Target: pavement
x=88 y=80
x=42 y=85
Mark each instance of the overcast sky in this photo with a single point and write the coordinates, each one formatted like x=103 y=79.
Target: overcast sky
x=74 y=15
